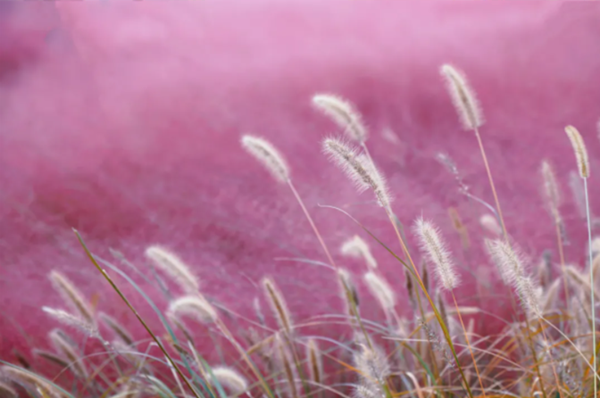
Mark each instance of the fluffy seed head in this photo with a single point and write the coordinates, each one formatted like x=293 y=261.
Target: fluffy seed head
x=268 y=156
x=529 y=295
x=356 y=247
x=361 y=171
x=195 y=307
x=463 y=98
x=381 y=290
x=511 y=265
x=343 y=114
x=69 y=319
x=551 y=191
x=509 y=262
x=278 y=304
x=72 y=296
x=372 y=364
x=580 y=151
x=174 y=267
x=434 y=248
x=230 y=379
x=490 y=224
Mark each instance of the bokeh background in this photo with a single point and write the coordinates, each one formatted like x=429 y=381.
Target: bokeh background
x=122 y=119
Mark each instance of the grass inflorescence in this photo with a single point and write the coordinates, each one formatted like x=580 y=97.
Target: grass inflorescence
x=424 y=347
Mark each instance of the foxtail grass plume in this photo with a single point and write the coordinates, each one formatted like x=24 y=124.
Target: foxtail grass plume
x=434 y=248
x=463 y=98
x=381 y=290
x=65 y=347
x=230 y=379
x=580 y=151
x=278 y=304
x=373 y=366
x=194 y=307
x=358 y=168
x=174 y=267
x=490 y=224
x=343 y=113
x=72 y=296
x=268 y=156
x=356 y=247
x=551 y=190
x=69 y=319
x=511 y=266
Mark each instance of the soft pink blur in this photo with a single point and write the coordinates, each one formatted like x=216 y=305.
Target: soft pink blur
x=123 y=119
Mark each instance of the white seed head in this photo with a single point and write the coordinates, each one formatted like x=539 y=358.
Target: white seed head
x=174 y=267
x=268 y=156
x=580 y=151
x=72 y=296
x=381 y=290
x=358 y=167
x=463 y=98
x=490 y=224
x=435 y=250
x=343 y=114
x=195 y=307
x=372 y=364
x=511 y=265
x=529 y=294
x=551 y=191
x=356 y=247
x=509 y=262
x=278 y=304
x=230 y=379
x=69 y=319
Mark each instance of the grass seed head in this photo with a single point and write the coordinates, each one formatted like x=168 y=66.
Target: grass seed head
x=435 y=249
x=278 y=304
x=343 y=114
x=72 y=296
x=356 y=247
x=268 y=156
x=358 y=167
x=174 y=267
x=381 y=290
x=580 y=150
x=230 y=379
x=195 y=307
x=463 y=98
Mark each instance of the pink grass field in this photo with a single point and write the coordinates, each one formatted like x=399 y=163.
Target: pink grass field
x=123 y=120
